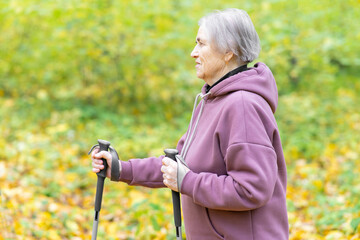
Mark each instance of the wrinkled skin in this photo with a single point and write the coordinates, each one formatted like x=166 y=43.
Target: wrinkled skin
x=169 y=170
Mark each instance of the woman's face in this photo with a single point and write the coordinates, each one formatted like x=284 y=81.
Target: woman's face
x=210 y=63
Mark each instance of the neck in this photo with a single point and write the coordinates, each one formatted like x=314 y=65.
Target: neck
x=227 y=68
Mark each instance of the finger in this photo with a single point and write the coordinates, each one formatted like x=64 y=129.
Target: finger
x=170 y=184
x=165 y=176
x=98 y=166
x=169 y=162
x=170 y=169
x=173 y=164
x=165 y=181
x=95 y=151
x=166 y=161
x=95 y=157
x=96 y=170
x=99 y=162
x=163 y=169
x=104 y=154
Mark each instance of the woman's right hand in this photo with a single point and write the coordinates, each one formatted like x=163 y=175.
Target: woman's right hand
x=97 y=162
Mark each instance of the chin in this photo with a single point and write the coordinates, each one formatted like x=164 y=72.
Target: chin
x=199 y=75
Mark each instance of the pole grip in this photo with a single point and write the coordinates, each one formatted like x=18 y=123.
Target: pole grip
x=104 y=146
x=171 y=153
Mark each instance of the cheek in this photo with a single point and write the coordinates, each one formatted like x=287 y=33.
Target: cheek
x=210 y=64
x=203 y=55
x=204 y=58
x=209 y=58
x=218 y=63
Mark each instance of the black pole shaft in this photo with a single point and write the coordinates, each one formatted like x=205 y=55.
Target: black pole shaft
x=171 y=153
x=99 y=193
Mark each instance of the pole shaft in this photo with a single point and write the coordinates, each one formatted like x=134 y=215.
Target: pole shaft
x=178 y=233
x=95 y=227
x=99 y=193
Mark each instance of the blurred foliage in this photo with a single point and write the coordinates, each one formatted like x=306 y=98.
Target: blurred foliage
x=75 y=71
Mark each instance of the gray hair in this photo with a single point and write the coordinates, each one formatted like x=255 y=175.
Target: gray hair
x=232 y=30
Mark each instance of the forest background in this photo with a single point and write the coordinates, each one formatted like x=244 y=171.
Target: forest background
x=75 y=71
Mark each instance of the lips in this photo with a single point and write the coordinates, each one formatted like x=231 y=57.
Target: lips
x=197 y=64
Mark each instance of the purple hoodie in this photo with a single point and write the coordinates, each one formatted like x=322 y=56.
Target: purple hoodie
x=236 y=186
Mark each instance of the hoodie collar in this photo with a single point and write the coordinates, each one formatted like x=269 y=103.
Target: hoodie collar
x=258 y=79
x=229 y=74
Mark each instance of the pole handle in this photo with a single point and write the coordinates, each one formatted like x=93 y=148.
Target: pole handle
x=104 y=146
x=171 y=153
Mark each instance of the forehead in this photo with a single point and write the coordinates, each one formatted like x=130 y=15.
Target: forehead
x=202 y=34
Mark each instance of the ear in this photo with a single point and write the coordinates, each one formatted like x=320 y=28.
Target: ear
x=228 y=56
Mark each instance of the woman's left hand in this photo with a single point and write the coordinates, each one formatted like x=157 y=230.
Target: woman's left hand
x=169 y=170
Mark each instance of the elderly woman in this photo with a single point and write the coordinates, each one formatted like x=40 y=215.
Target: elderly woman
x=233 y=175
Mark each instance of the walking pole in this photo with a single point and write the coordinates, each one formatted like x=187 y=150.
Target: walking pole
x=171 y=153
x=104 y=146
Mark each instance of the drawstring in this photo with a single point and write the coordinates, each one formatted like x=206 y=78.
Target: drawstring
x=191 y=134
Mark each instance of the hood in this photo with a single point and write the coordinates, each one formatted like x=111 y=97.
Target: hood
x=258 y=79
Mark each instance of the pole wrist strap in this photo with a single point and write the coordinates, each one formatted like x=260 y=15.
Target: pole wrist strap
x=115 y=165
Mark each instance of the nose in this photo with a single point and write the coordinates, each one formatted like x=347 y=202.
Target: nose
x=195 y=52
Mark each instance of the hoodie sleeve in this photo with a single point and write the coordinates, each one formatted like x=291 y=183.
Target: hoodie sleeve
x=142 y=172
x=251 y=164
x=145 y=172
